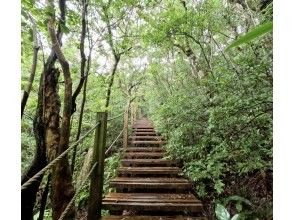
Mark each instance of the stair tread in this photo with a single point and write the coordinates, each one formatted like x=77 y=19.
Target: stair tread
x=149 y=170
x=150 y=180
x=128 y=162
x=147 y=142
x=144 y=154
x=141 y=133
x=151 y=198
x=113 y=217
x=152 y=202
x=145 y=137
x=147 y=149
x=150 y=183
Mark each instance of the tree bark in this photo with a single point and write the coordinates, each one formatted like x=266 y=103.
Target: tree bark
x=57 y=138
x=28 y=195
x=44 y=199
x=117 y=58
x=83 y=80
x=83 y=57
x=28 y=88
x=80 y=117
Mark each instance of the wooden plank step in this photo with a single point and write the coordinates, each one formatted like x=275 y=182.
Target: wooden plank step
x=151 y=179
x=152 y=202
x=137 y=133
x=143 y=155
x=114 y=217
x=151 y=183
x=145 y=137
x=144 y=149
x=143 y=129
x=148 y=142
x=148 y=162
x=149 y=170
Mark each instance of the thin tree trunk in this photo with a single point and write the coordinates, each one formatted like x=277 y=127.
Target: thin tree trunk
x=83 y=56
x=28 y=88
x=44 y=199
x=83 y=80
x=80 y=122
x=117 y=58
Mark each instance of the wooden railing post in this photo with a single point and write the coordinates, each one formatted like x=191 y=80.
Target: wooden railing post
x=96 y=185
x=126 y=122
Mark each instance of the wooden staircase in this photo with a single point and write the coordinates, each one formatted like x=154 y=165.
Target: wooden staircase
x=149 y=187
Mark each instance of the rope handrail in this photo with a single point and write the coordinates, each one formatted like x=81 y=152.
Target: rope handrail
x=53 y=162
x=114 y=142
x=63 y=214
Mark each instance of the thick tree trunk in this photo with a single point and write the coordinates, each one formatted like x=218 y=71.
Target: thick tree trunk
x=57 y=138
x=28 y=195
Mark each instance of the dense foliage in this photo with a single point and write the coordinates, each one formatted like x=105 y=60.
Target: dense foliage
x=169 y=59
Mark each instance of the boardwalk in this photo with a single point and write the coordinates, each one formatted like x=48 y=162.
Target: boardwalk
x=148 y=186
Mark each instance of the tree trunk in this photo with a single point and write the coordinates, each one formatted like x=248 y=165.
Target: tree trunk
x=80 y=124
x=117 y=58
x=28 y=88
x=28 y=195
x=57 y=138
x=83 y=80
x=83 y=57
x=86 y=167
x=44 y=199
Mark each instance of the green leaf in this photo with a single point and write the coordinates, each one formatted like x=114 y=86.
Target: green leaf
x=219 y=186
x=238 y=199
x=221 y=212
x=236 y=217
x=252 y=34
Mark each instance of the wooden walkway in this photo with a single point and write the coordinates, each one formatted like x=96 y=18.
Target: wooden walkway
x=149 y=187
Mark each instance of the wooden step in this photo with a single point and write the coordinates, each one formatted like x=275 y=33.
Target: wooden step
x=140 y=133
x=148 y=162
x=149 y=171
x=152 y=202
x=114 y=217
x=145 y=137
x=144 y=149
x=150 y=183
x=143 y=155
x=144 y=129
x=148 y=142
